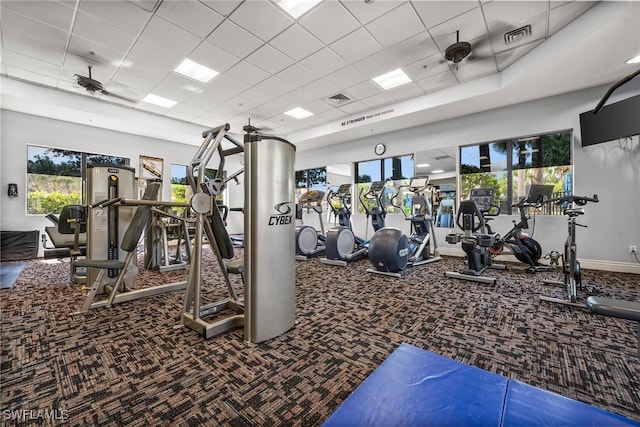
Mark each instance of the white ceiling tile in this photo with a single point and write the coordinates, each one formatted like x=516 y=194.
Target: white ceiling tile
x=82 y=49
x=270 y=59
x=434 y=13
x=378 y=64
x=275 y=86
x=223 y=7
x=363 y=90
x=178 y=81
x=261 y=18
x=48 y=50
x=476 y=69
x=151 y=108
x=213 y=57
x=367 y=12
x=329 y=21
x=102 y=32
x=169 y=36
x=178 y=115
x=345 y=77
x=257 y=96
x=324 y=61
x=29 y=75
x=152 y=61
x=298 y=75
x=406 y=91
x=188 y=109
x=514 y=13
x=296 y=42
x=435 y=64
x=234 y=39
x=378 y=100
x=122 y=14
x=334 y=114
x=129 y=78
x=191 y=16
x=55 y=14
x=224 y=87
x=31 y=64
x=248 y=73
x=356 y=45
x=318 y=106
x=470 y=24
x=410 y=50
x=387 y=30
x=354 y=107
x=171 y=92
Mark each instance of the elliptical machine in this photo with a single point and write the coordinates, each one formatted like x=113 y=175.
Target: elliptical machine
x=391 y=251
x=309 y=242
x=377 y=213
x=477 y=238
x=341 y=244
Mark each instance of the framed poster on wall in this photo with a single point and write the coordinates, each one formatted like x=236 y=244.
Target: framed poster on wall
x=150 y=170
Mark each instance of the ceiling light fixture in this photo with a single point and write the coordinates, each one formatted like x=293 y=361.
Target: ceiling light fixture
x=296 y=8
x=423 y=165
x=437 y=171
x=299 y=113
x=158 y=100
x=392 y=79
x=195 y=71
x=634 y=60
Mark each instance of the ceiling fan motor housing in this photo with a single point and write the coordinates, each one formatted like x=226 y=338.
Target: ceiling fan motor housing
x=457 y=52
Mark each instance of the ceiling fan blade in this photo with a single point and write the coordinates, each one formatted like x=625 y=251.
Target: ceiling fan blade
x=115 y=95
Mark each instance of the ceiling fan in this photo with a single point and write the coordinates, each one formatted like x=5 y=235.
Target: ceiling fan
x=457 y=51
x=92 y=86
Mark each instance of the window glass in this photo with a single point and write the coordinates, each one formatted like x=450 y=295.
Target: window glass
x=55 y=176
x=395 y=171
x=511 y=166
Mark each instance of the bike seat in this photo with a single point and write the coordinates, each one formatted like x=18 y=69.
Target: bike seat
x=574 y=211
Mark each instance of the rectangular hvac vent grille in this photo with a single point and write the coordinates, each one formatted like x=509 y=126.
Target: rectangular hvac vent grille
x=442 y=157
x=339 y=99
x=518 y=34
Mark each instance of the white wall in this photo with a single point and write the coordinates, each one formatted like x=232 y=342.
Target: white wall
x=610 y=170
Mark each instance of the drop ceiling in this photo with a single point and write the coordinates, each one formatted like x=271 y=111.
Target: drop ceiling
x=270 y=63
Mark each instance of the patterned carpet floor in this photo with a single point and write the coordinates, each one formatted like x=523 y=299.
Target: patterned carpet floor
x=135 y=365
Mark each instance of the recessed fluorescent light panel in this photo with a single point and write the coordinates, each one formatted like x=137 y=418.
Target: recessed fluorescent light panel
x=299 y=113
x=196 y=71
x=634 y=60
x=393 y=79
x=423 y=165
x=158 y=100
x=296 y=8
x=437 y=171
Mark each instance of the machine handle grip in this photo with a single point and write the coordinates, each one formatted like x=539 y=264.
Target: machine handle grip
x=106 y=202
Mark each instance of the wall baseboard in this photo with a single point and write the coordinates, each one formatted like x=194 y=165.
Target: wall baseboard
x=586 y=264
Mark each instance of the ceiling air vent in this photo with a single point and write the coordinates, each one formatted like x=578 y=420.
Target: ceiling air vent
x=339 y=99
x=516 y=35
x=442 y=157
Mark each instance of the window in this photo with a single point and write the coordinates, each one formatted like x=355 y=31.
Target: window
x=181 y=191
x=395 y=171
x=311 y=179
x=511 y=166
x=55 y=177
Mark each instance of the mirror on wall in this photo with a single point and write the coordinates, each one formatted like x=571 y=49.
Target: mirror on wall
x=440 y=165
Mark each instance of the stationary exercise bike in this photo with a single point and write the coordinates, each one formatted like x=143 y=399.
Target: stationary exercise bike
x=341 y=244
x=309 y=242
x=476 y=238
x=391 y=251
x=570 y=264
x=522 y=246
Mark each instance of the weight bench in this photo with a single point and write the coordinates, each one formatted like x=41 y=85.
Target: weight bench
x=628 y=310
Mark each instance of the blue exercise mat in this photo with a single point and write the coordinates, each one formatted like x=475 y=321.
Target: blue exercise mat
x=9 y=273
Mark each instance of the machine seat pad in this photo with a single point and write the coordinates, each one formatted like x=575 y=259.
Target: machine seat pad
x=100 y=263
x=235 y=266
x=629 y=310
x=60 y=240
